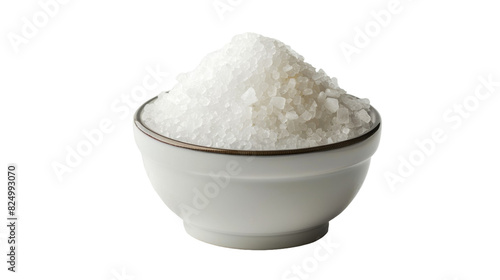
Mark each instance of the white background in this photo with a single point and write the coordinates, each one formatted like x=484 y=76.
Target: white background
x=103 y=220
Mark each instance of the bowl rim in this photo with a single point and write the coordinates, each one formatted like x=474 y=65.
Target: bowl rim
x=180 y=144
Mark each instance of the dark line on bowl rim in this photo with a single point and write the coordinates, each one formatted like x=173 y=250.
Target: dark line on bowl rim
x=149 y=132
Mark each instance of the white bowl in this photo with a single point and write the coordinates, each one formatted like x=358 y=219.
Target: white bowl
x=256 y=199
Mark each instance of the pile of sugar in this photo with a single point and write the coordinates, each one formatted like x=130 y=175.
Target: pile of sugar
x=256 y=93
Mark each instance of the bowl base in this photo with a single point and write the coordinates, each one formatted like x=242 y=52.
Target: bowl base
x=257 y=242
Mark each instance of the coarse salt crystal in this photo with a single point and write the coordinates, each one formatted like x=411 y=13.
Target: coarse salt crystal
x=249 y=96
x=332 y=104
x=363 y=116
x=278 y=102
x=257 y=93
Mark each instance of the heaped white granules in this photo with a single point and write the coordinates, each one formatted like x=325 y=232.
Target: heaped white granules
x=256 y=93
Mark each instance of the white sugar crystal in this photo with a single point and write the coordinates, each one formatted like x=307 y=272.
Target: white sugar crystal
x=308 y=91
x=276 y=75
x=321 y=96
x=333 y=81
x=332 y=93
x=306 y=116
x=291 y=115
x=278 y=102
x=332 y=104
x=351 y=103
x=343 y=115
x=365 y=102
x=256 y=93
x=363 y=116
x=249 y=96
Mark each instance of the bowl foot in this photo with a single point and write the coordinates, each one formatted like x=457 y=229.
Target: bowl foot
x=258 y=242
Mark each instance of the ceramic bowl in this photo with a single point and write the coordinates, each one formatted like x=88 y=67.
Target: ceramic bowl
x=256 y=199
